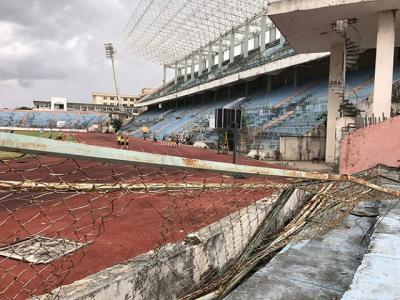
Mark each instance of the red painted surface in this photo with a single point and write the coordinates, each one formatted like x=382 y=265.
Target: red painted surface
x=121 y=224
x=108 y=140
x=370 y=146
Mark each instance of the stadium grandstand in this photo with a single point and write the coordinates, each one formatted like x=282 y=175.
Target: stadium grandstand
x=307 y=210
x=287 y=90
x=59 y=113
x=50 y=119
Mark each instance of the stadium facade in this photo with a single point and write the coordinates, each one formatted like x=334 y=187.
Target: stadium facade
x=276 y=64
x=97 y=219
x=126 y=100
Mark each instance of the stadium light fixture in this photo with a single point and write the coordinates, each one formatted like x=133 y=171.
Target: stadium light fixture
x=110 y=53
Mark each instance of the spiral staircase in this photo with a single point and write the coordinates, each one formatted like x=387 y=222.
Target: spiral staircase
x=351 y=56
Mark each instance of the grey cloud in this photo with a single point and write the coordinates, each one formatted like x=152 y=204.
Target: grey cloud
x=41 y=57
x=25 y=83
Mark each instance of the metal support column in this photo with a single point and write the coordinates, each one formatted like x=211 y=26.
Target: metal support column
x=186 y=71
x=200 y=64
x=246 y=41
x=262 y=33
x=232 y=48
x=164 y=75
x=220 y=54
x=192 y=68
x=176 y=73
x=210 y=58
x=272 y=34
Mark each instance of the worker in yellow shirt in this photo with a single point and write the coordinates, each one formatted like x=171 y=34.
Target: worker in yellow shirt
x=118 y=139
x=121 y=141
x=126 y=139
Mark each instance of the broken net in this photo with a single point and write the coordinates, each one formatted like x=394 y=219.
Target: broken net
x=180 y=231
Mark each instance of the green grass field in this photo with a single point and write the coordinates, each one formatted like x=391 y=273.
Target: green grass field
x=46 y=134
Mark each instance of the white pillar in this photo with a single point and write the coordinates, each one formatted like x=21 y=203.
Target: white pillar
x=220 y=54
x=210 y=58
x=262 y=33
x=232 y=48
x=335 y=75
x=256 y=38
x=176 y=73
x=192 y=69
x=165 y=75
x=186 y=71
x=385 y=43
x=200 y=64
x=246 y=41
x=272 y=34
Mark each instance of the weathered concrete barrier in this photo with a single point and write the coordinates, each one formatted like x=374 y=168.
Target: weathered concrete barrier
x=368 y=147
x=174 y=269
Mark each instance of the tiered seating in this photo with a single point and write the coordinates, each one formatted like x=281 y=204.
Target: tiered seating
x=178 y=121
x=148 y=119
x=301 y=111
x=11 y=118
x=361 y=84
x=286 y=111
x=49 y=119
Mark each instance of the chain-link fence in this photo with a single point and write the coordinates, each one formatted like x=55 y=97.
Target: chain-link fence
x=178 y=228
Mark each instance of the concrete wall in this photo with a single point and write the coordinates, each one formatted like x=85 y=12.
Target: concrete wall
x=367 y=147
x=310 y=146
x=341 y=123
x=174 y=269
x=302 y=148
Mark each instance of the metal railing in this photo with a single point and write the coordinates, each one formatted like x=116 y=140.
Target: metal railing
x=68 y=210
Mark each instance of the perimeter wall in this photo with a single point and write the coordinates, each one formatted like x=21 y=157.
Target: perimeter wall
x=370 y=146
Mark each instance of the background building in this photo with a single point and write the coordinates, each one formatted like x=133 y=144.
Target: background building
x=126 y=100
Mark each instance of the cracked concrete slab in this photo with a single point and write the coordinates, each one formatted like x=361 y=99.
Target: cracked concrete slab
x=313 y=269
x=378 y=275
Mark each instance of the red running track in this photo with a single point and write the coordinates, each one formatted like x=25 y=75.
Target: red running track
x=108 y=140
x=121 y=224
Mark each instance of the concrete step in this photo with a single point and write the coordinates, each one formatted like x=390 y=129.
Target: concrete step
x=312 y=269
x=379 y=271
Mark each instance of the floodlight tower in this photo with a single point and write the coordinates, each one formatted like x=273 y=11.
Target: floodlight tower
x=110 y=52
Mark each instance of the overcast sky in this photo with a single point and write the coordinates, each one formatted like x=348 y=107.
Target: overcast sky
x=56 y=48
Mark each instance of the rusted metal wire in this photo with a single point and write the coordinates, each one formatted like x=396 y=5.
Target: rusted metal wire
x=90 y=198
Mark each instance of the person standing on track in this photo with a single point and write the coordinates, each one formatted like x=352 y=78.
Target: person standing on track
x=126 y=142
x=119 y=140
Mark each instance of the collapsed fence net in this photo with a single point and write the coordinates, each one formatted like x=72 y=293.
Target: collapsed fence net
x=192 y=231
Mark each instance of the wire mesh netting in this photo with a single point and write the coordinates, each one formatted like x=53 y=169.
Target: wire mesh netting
x=193 y=231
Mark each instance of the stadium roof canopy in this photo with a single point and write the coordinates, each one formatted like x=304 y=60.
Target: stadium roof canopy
x=167 y=31
x=307 y=24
